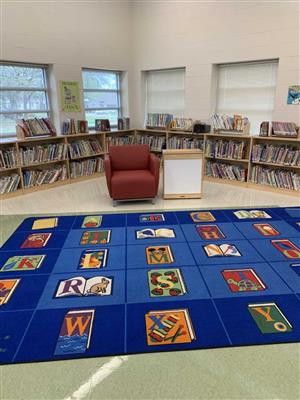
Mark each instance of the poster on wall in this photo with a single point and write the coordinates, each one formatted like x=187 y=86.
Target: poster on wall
x=70 y=96
x=294 y=94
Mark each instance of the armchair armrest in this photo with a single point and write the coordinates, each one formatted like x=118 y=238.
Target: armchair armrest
x=154 y=168
x=108 y=172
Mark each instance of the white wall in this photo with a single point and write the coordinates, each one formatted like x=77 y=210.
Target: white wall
x=68 y=36
x=199 y=35
x=143 y=35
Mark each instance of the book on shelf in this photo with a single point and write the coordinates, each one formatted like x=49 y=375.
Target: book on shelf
x=123 y=123
x=83 y=148
x=35 y=127
x=69 y=127
x=42 y=153
x=116 y=140
x=224 y=148
x=159 y=120
x=275 y=177
x=102 y=125
x=264 y=128
x=233 y=124
x=9 y=183
x=276 y=154
x=155 y=142
x=176 y=142
x=226 y=171
x=182 y=124
x=86 y=167
x=82 y=126
x=37 y=177
x=8 y=158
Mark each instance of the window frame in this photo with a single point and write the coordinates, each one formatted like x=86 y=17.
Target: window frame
x=274 y=61
x=117 y=91
x=45 y=90
x=147 y=73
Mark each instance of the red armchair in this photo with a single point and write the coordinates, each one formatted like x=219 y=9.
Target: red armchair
x=132 y=172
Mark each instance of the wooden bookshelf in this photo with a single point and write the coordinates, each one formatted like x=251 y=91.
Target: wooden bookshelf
x=102 y=137
x=252 y=140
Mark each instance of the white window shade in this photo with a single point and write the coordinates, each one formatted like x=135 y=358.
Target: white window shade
x=165 y=91
x=247 y=89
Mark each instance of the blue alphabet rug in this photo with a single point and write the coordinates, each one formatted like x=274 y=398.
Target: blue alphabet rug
x=107 y=284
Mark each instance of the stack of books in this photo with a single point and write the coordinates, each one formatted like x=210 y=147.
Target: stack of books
x=275 y=177
x=37 y=177
x=35 y=127
x=43 y=153
x=276 y=154
x=156 y=142
x=87 y=167
x=184 y=124
x=226 y=149
x=226 y=171
x=8 y=158
x=83 y=148
x=9 y=183
x=157 y=120
x=177 y=142
x=226 y=122
x=116 y=140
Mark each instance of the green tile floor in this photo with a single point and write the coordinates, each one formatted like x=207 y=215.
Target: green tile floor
x=254 y=372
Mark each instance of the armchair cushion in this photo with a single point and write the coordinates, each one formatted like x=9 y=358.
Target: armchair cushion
x=133 y=184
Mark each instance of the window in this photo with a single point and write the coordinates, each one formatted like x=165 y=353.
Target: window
x=101 y=93
x=23 y=94
x=165 y=91
x=247 y=89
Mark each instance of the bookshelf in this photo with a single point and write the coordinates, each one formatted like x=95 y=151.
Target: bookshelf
x=267 y=168
x=17 y=156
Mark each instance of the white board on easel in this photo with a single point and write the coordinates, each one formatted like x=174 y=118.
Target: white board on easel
x=183 y=172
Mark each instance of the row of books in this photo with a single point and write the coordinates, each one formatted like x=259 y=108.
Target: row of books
x=276 y=154
x=226 y=149
x=69 y=127
x=83 y=148
x=119 y=140
x=8 y=158
x=226 y=171
x=176 y=142
x=156 y=142
x=36 y=127
x=87 y=167
x=9 y=183
x=43 y=153
x=226 y=122
x=278 y=128
x=184 y=124
x=159 y=119
x=275 y=177
x=37 y=177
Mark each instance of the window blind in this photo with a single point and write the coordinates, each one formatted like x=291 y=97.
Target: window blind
x=165 y=91
x=247 y=89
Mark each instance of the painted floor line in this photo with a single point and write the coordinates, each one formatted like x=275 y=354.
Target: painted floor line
x=107 y=369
